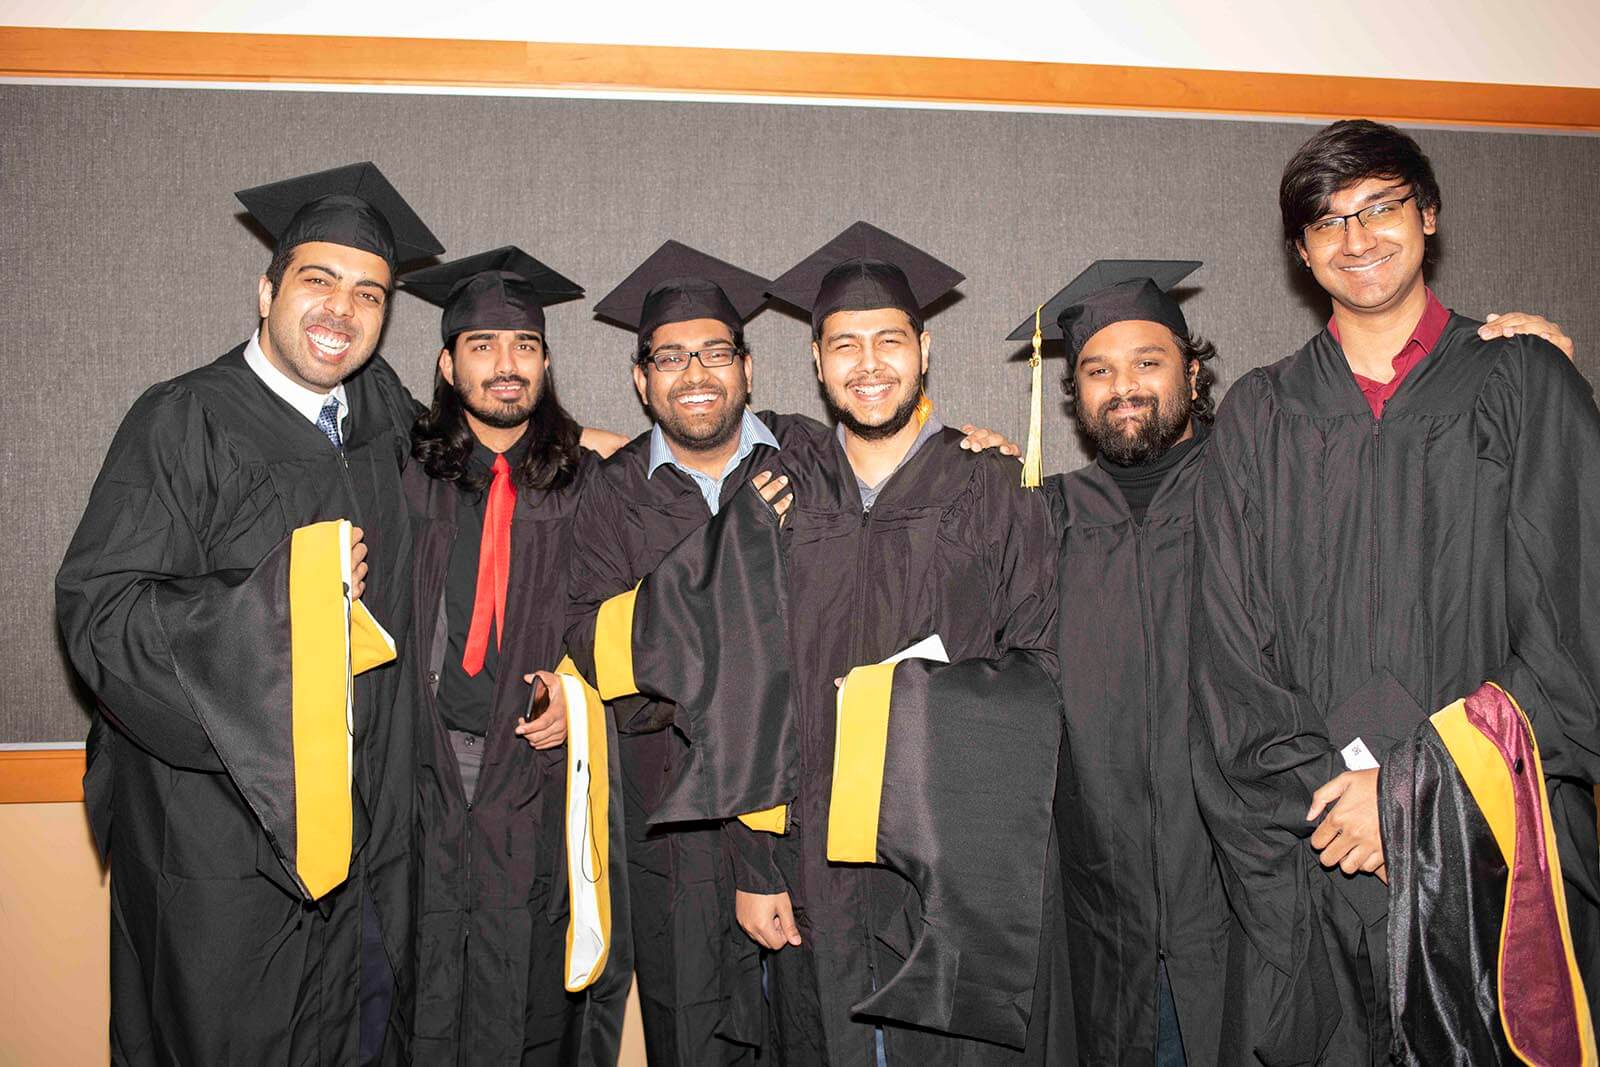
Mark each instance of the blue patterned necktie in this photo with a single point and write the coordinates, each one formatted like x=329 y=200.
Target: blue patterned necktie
x=328 y=422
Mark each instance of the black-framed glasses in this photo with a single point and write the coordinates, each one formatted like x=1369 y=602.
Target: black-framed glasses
x=673 y=360
x=1374 y=218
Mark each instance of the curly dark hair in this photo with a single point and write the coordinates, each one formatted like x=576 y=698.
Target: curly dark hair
x=442 y=441
x=1195 y=349
x=1342 y=154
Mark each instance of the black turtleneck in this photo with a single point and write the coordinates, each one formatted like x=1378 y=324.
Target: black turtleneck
x=1140 y=481
x=464 y=701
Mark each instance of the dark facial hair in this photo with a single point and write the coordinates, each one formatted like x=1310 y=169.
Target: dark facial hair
x=1157 y=431
x=495 y=413
x=713 y=437
x=893 y=425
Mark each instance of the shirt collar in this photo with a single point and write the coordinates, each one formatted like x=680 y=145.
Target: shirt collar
x=307 y=402
x=485 y=456
x=752 y=432
x=1429 y=328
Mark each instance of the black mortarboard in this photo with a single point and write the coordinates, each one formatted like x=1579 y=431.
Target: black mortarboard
x=352 y=205
x=678 y=283
x=864 y=268
x=502 y=289
x=1111 y=290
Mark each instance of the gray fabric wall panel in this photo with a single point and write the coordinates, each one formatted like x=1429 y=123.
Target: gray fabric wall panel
x=123 y=260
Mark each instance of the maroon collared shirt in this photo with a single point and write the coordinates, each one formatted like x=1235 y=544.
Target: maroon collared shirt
x=1429 y=329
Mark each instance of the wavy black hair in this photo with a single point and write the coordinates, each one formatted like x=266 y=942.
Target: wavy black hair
x=442 y=441
x=1342 y=154
x=1195 y=349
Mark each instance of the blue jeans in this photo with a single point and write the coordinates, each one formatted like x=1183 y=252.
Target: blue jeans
x=1169 y=1042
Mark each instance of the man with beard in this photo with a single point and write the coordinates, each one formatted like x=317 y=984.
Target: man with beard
x=1146 y=914
x=1145 y=911
x=897 y=537
x=1392 y=516
x=693 y=373
x=493 y=494
x=252 y=801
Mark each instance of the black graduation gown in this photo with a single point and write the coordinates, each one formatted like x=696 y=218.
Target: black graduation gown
x=951 y=546
x=689 y=953
x=215 y=955
x=1141 y=878
x=492 y=890
x=1353 y=577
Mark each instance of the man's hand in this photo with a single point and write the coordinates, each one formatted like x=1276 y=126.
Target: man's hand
x=775 y=492
x=1348 y=837
x=358 y=563
x=549 y=725
x=602 y=442
x=767 y=917
x=1516 y=322
x=978 y=439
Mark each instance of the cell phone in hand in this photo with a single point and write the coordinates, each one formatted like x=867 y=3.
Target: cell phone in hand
x=538 y=700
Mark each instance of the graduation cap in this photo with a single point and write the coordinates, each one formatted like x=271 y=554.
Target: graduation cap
x=1109 y=291
x=678 y=283
x=352 y=205
x=865 y=268
x=502 y=289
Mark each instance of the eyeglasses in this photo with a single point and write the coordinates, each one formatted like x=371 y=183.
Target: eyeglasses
x=1374 y=218
x=674 y=360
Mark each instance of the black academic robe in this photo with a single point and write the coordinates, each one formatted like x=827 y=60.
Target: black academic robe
x=492 y=893
x=698 y=975
x=216 y=957
x=1142 y=883
x=952 y=546
x=1354 y=576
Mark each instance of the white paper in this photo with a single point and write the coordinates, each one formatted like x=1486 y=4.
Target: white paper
x=930 y=647
x=1358 y=757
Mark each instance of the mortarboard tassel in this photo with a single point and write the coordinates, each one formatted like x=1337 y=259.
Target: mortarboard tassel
x=1032 y=457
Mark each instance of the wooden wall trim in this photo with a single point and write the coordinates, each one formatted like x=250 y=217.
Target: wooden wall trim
x=265 y=58
x=41 y=776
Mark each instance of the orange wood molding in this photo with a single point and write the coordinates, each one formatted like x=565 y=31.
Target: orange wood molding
x=41 y=776
x=140 y=54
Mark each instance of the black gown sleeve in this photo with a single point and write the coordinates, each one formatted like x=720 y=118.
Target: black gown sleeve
x=1261 y=746
x=168 y=487
x=1552 y=570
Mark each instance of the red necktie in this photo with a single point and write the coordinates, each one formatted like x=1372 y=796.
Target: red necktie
x=494 y=568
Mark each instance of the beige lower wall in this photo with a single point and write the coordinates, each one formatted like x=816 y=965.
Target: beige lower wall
x=54 y=933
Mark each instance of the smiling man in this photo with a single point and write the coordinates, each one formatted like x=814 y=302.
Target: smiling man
x=1396 y=514
x=1146 y=917
x=493 y=491
x=258 y=827
x=693 y=373
x=875 y=953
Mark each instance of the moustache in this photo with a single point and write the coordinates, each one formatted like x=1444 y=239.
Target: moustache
x=698 y=388
x=332 y=322
x=510 y=379
x=1127 y=404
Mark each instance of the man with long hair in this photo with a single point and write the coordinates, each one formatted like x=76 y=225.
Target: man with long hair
x=493 y=491
x=1400 y=512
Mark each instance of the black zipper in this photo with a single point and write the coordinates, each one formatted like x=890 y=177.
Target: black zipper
x=857 y=657
x=1150 y=744
x=1374 y=558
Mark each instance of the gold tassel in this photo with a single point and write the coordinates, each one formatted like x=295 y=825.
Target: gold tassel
x=1033 y=458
